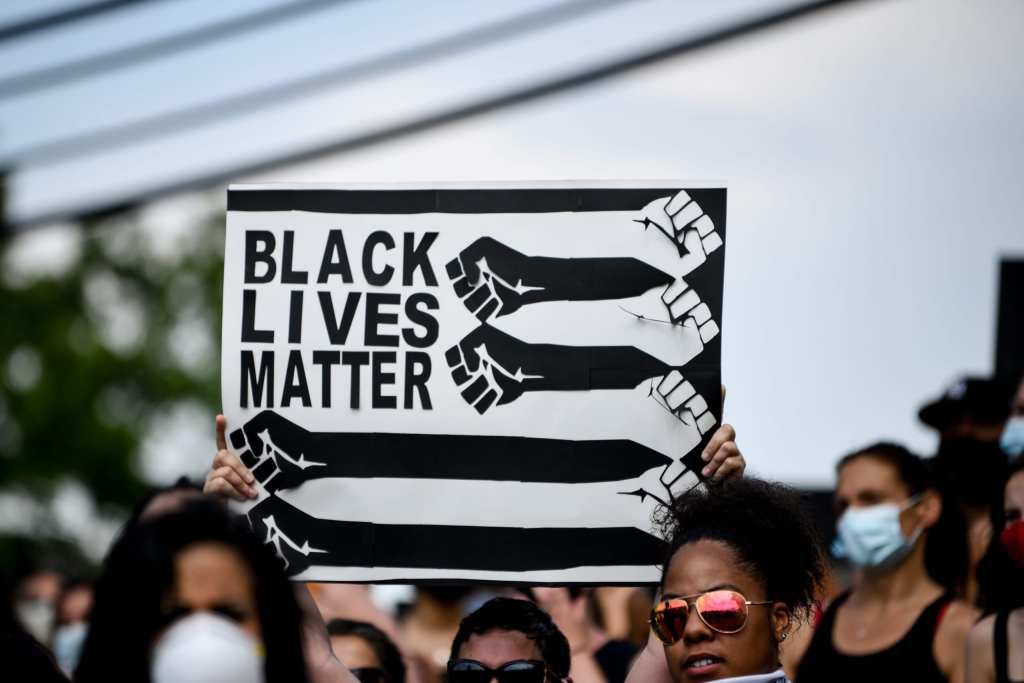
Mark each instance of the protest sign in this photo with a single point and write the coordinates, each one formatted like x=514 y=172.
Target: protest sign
x=496 y=383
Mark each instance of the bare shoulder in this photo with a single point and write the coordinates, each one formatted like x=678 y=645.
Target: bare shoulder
x=951 y=636
x=980 y=664
x=957 y=622
x=981 y=634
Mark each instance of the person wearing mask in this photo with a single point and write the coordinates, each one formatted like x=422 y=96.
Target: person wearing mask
x=193 y=595
x=900 y=622
x=366 y=651
x=744 y=566
x=73 y=609
x=995 y=647
x=1012 y=438
x=511 y=641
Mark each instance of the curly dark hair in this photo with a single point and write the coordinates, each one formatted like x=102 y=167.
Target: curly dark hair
x=511 y=614
x=764 y=524
x=385 y=650
x=139 y=573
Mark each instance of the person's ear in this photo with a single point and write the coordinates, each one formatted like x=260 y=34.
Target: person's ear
x=930 y=508
x=782 y=621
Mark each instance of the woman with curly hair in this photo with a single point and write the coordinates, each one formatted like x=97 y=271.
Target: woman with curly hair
x=743 y=568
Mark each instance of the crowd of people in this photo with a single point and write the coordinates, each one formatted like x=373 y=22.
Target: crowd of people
x=924 y=582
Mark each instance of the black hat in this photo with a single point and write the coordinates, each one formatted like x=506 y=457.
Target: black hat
x=982 y=398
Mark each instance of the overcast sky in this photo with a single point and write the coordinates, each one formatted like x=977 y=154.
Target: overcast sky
x=872 y=154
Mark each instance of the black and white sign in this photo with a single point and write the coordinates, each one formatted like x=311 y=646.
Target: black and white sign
x=493 y=383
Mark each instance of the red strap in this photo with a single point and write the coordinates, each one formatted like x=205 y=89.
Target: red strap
x=942 y=613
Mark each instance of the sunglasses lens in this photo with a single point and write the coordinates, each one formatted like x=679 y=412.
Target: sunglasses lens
x=522 y=672
x=724 y=611
x=668 y=620
x=466 y=671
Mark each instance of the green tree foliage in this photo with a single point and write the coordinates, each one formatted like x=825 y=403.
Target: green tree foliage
x=91 y=355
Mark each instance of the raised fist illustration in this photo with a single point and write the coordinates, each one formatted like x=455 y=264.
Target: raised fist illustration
x=287 y=529
x=494 y=280
x=489 y=278
x=274 y=449
x=493 y=368
x=685 y=307
x=683 y=221
x=680 y=397
x=488 y=366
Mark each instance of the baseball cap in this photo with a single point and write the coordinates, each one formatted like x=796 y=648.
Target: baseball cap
x=983 y=398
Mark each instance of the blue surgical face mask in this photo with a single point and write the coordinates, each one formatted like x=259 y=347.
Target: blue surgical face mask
x=1012 y=440
x=67 y=644
x=872 y=537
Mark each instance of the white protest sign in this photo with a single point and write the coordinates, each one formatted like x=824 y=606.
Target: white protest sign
x=473 y=383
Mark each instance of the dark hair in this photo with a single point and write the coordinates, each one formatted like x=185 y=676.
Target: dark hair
x=946 y=553
x=139 y=573
x=911 y=469
x=181 y=484
x=1000 y=578
x=388 y=655
x=764 y=524
x=511 y=614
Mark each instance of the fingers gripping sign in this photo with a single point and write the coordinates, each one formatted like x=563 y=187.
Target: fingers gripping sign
x=228 y=477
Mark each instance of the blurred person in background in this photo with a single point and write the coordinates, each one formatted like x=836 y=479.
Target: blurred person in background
x=972 y=408
x=73 y=610
x=510 y=640
x=23 y=657
x=193 y=595
x=594 y=653
x=900 y=621
x=1012 y=438
x=971 y=474
x=427 y=628
x=995 y=649
x=744 y=567
x=35 y=602
x=163 y=499
x=366 y=651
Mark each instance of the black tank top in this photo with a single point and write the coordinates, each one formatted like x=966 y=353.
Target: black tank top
x=1001 y=643
x=909 y=659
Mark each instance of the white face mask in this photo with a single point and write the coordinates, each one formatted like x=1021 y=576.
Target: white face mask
x=872 y=536
x=206 y=648
x=37 y=616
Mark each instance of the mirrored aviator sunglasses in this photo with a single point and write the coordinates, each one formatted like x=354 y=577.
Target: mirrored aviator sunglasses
x=519 y=671
x=724 y=611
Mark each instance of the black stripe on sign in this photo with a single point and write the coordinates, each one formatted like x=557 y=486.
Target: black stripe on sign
x=439 y=456
x=362 y=544
x=446 y=201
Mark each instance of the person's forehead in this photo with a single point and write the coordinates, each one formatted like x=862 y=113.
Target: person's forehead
x=868 y=473
x=705 y=565
x=498 y=646
x=211 y=570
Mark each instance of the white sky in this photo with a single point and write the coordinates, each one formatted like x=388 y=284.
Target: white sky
x=873 y=157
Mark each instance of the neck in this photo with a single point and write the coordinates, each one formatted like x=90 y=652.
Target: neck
x=907 y=580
